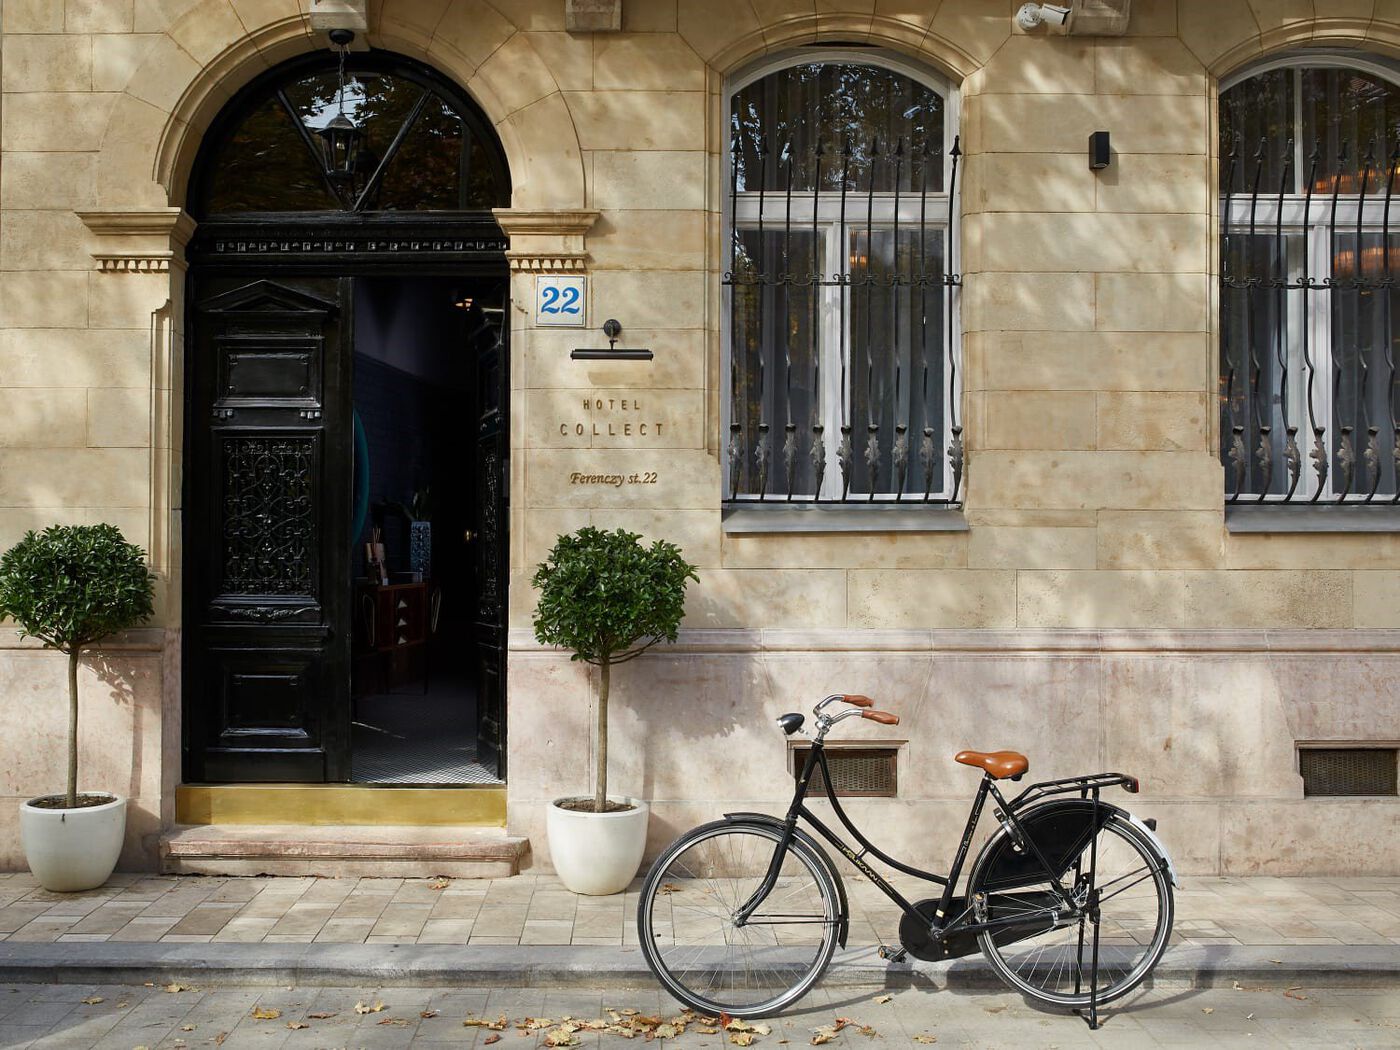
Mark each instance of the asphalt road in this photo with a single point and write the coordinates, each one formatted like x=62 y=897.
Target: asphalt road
x=125 y=1017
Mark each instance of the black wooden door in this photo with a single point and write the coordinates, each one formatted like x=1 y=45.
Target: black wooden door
x=267 y=517
x=492 y=463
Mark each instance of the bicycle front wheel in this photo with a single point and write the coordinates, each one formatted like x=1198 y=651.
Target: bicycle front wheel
x=693 y=942
x=1047 y=955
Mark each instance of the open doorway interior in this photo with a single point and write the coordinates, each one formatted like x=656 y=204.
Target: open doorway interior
x=416 y=562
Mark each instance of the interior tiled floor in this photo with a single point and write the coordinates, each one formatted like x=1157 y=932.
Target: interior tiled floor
x=412 y=736
x=536 y=909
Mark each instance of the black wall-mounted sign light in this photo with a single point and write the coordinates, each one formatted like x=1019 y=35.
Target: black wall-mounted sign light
x=612 y=329
x=1099 y=152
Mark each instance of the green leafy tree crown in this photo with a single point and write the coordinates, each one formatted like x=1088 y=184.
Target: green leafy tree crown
x=607 y=597
x=70 y=585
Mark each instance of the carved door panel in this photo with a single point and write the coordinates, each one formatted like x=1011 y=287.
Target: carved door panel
x=492 y=463
x=267 y=518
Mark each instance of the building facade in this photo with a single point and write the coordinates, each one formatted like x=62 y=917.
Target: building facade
x=1096 y=463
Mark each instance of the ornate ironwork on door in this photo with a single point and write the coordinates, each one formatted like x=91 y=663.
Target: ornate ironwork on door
x=269 y=542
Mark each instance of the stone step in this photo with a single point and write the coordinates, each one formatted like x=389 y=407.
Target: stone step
x=402 y=851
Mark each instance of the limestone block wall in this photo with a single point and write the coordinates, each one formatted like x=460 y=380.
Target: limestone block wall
x=1097 y=579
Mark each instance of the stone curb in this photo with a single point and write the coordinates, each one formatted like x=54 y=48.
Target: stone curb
x=465 y=966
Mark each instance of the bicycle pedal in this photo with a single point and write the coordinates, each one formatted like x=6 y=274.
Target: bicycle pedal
x=892 y=954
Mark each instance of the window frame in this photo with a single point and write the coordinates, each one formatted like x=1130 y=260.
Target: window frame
x=1233 y=213
x=943 y=213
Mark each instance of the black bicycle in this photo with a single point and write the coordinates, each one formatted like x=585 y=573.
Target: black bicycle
x=1070 y=899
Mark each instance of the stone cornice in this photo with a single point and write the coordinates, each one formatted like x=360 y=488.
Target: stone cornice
x=564 y=223
x=546 y=241
x=139 y=241
x=1051 y=641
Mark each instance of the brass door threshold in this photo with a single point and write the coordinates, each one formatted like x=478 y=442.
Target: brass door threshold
x=329 y=804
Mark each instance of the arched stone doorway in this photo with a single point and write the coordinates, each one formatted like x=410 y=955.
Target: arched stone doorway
x=346 y=379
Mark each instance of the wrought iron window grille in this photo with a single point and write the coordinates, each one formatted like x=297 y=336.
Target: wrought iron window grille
x=1308 y=277
x=881 y=419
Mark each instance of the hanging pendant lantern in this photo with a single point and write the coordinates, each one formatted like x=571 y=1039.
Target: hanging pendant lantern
x=341 y=138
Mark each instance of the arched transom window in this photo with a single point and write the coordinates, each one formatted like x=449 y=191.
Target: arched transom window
x=842 y=340
x=378 y=134
x=1310 y=252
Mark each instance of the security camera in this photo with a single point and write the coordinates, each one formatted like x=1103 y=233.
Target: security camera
x=1032 y=15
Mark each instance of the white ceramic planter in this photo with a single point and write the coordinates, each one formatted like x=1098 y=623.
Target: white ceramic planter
x=73 y=849
x=598 y=853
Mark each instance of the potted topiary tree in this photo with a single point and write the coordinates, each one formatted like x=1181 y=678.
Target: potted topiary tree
x=70 y=586
x=609 y=599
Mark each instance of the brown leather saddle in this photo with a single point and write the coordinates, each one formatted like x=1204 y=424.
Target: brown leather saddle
x=999 y=764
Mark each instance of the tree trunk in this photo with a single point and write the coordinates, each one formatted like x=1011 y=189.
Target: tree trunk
x=600 y=778
x=73 y=729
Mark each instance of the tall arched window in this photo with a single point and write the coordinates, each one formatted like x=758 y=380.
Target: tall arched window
x=1309 y=157
x=378 y=134
x=841 y=384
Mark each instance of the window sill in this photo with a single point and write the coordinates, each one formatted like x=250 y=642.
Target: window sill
x=1312 y=518
x=818 y=517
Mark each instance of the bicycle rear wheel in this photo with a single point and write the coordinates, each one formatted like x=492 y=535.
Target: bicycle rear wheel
x=702 y=955
x=1049 y=959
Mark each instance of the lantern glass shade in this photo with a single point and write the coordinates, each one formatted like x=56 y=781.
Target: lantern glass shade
x=340 y=146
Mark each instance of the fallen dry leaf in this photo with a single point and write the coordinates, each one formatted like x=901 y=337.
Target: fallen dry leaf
x=123 y=1005
x=321 y=1015
x=741 y=1038
x=670 y=887
x=427 y=1015
x=175 y=987
x=924 y=1037
x=1207 y=1009
x=559 y=1037
x=361 y=1008
x=824 y=1034
x=398 y=1022
x=265 y=1013
x=481 y=1022
x=297 y=1026
x=1292 y=993
x=219 y=1039
x=492 y=1038
x=93 y=1000
x=883 y=998
x=188 y=1027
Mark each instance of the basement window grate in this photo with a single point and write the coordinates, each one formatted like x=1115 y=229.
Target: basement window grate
x=856 y=772
x=1348 y=770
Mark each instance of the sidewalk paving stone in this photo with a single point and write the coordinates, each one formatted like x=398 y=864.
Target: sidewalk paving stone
x=537 y=910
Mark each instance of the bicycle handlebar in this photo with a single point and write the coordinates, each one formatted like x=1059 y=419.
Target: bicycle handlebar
x=885 y=718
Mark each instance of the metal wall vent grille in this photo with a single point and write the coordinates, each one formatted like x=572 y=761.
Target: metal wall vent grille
x=1348 y=770
x=857 y=772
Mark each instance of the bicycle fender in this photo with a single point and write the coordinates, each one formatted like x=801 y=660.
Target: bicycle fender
x=807 y=840
x=1059 y=820
x=1151 y=835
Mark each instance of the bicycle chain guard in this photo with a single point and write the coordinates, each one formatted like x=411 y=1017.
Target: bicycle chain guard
x=920 y=943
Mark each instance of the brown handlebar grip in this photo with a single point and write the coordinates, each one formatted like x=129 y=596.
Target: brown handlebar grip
x=885 y=718
x=857 y=700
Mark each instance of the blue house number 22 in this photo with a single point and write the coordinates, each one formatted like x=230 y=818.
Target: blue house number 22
x=559 y=301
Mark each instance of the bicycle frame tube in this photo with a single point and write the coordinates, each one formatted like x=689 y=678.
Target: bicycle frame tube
x=797 y=810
